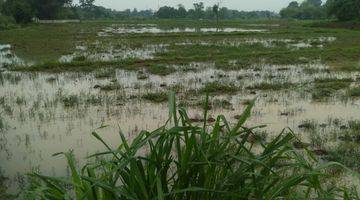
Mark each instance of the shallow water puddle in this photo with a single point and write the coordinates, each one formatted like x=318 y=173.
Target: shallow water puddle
x=266 y=42
x=149 y=29
x=101 y=53
x=42 y=114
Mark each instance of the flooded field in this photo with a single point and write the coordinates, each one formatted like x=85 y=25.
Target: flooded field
x=152 y=28
x=43 y=112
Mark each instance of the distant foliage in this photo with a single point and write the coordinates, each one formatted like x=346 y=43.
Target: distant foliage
x=343 y=9
x=309 y=9
x=49 y=9
x=6 y=22
x=23 y=11
x=200 y=12
x=20 y=10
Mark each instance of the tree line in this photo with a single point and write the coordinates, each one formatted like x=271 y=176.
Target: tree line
x=24 y=11
x=343 y=10
x=199 y=11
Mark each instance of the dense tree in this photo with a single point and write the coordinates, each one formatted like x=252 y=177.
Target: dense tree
x=20 y=10
x=181 y=12
x=49 y=9
x=199 y=10
x=343 y=9
x=166 y=12
x=309 y=9
x=212 y=12
x=293 y=4
x=1 y=6
x=25 y=10
x=316 y=3
x=215 y=10
x=86 y=3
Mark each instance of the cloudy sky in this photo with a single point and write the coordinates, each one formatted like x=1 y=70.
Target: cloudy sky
x=273 y=5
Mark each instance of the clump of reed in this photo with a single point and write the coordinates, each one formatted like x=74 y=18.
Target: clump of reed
x=181 y=160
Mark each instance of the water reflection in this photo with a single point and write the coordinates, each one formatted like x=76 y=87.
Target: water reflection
x=42 y=113
x=149 y=29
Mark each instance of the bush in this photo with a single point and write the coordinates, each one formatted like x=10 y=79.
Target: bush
x=186 y=161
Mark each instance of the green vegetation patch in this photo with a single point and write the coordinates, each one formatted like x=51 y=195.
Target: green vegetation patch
x=160 y=69
x=219 y=88
x=347 y=154
x=105 y=74
x=324 y=88
x=354 y=92
x=270 y=86
x=333 y=83
x=110 y=87
x=157 y=97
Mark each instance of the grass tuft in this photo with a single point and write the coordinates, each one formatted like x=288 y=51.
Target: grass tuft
x=270 y=86
x=158 y=97
x=218 y=88
x=161 y=70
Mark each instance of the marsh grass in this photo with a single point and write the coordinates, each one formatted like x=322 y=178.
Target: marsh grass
x=219 y=88
x=327 y=87
x=3 y=187
x=354 y=92
x=344 y=136
x=225 y=104
x=110 y=87
x=157 y=97
x=333 y=83
x=159 y=69
x=2 y=124
x=71 y=101
x=105 y=74
x=187 y=161
x=347 y=154
x=270 y=86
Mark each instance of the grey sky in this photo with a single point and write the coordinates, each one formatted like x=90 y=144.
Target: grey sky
x=273 y=5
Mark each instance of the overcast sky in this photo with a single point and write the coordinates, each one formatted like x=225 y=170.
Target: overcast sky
x=273 y=5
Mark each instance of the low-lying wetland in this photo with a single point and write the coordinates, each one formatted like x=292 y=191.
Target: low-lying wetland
x=298 y=77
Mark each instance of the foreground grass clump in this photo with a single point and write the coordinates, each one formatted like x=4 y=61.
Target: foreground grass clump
x=185 y=161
